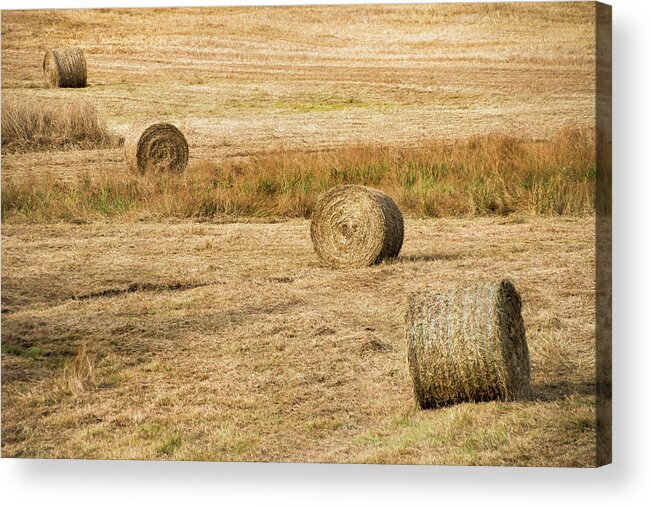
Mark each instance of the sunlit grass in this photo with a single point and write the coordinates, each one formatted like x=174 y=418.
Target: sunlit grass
x=489 y=175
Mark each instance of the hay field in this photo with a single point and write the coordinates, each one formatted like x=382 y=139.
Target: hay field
x=241 y=81
x=231 y=342
x=147 y=323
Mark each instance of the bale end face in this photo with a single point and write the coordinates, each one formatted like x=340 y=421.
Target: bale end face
x=355 y=226
x=156 y=147
x=467 y=345
x=65 y=68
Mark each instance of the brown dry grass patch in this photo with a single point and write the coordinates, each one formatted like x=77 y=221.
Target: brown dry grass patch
x=37 y=125
x=488 y=175
x=246 y=351
x=78 y=375
x=390 y=74
x=230 y=342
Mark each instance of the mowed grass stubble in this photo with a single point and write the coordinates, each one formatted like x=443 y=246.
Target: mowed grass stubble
x=136 y=324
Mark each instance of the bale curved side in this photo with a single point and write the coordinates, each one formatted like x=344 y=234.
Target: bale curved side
x=467 y=345
x=356 y=226
x=65 y=68
x=155 y=147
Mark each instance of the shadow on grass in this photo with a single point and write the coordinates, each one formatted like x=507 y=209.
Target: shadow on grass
x=429 y=257
x=557 y=392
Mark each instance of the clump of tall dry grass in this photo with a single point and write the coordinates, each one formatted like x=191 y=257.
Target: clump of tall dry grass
x=489 y=175
x=78 y=375
x=38 y=125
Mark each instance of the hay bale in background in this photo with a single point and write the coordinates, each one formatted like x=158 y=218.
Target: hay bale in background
x=356 y=226
x=467 y=345
x=65 y=68
x=157 y=147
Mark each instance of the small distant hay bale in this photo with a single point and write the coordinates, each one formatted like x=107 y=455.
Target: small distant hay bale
x=467 y=344
x=156 y=147
x=65 y=68
x=355 y=226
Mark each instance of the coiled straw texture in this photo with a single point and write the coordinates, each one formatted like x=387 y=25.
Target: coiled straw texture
x=355 y=226
x=156 y=147
x=467 y=344
x=65 y=68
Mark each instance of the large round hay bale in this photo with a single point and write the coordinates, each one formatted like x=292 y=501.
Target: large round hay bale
x=467 y=344
x=155 y=147
x=356 y=226
x=65 y=68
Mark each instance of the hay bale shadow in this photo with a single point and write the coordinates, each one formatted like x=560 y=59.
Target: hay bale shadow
x=431 y=257
x=560 y=391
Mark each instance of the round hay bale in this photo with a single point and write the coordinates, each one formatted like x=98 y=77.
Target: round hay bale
x=467 y=344
x=356 y=226
x=156 y=147
x=65 y=68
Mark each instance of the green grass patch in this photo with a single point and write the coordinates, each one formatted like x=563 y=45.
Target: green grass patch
x=18 y=350
x=170 y=444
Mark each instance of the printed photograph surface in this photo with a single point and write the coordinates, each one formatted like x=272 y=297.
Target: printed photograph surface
x=333 y=234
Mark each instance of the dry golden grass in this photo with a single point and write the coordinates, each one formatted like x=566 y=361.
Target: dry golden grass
x=480 y=176
x=37 y=125
x=217 y=341
x=246 y=81
x=231 y=342
x=78 y=375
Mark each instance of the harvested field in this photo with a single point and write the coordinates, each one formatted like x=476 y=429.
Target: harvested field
x=231 y=342
x=243 y=81
x=188 y=316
